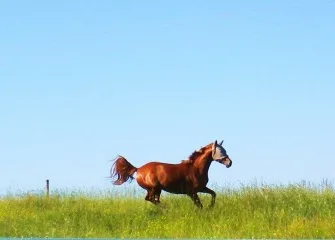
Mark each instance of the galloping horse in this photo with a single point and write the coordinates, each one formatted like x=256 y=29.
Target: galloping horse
x=188 y=177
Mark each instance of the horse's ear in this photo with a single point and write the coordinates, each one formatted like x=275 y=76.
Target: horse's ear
x=221 y=143
x=214 y=147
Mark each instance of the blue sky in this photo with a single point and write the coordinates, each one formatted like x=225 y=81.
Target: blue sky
x=83 y=81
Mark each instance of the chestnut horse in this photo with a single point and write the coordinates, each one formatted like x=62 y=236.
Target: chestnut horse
x=188 y=177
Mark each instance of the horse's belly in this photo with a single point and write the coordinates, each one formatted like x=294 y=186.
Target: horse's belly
x=180 y=189
x=177 y=185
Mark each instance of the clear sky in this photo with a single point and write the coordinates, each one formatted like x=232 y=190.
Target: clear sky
x=83 y=81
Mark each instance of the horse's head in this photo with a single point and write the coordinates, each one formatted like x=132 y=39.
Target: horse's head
x=220 y=155
x=211 y=152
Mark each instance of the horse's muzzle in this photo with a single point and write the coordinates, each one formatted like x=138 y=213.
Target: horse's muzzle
x=229 y=164
x=226 y=161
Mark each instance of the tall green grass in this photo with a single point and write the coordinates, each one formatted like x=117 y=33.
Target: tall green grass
x=291 y=211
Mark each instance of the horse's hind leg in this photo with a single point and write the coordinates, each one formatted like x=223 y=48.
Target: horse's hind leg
x=157 y=195
x=151 y=196
x=147 y=197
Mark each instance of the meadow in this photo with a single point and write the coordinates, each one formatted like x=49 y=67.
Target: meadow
x=291 y=211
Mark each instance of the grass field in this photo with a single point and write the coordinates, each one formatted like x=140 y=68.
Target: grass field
x=291 y=211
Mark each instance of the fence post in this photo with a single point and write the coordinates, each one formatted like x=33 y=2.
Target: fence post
x=48 y=188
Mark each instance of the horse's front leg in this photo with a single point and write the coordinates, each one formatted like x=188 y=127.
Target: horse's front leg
x=211 y=192
x=196 y=199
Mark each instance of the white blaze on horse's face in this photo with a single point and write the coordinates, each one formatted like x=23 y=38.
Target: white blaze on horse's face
x=220 y=155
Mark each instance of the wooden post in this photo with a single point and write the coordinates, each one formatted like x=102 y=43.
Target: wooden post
x=48 y=189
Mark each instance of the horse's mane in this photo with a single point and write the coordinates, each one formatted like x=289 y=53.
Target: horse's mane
x=191 y=159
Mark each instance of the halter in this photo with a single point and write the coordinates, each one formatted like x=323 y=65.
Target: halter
x=218 y=153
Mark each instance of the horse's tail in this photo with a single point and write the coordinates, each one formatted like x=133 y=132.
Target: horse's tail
x=123 y=170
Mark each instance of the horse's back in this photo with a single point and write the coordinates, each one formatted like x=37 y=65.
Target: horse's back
x=160 y=167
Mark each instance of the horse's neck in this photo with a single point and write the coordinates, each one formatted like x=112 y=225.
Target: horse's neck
x=203 y=163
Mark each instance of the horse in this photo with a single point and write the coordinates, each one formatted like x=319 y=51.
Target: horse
x=188 y=177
